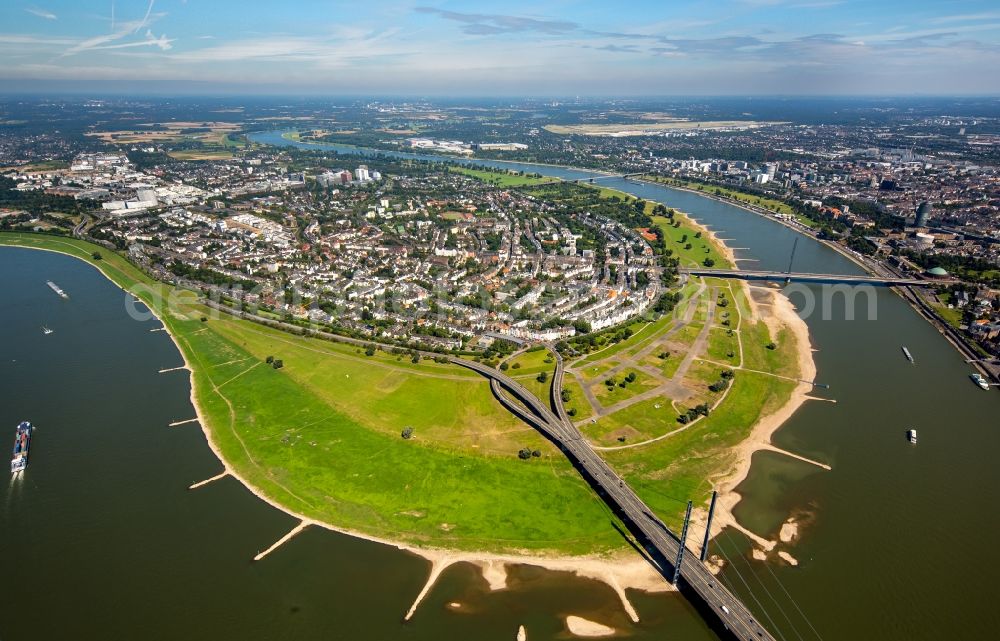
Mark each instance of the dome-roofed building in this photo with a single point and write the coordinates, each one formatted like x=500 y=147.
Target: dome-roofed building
x=937 y=272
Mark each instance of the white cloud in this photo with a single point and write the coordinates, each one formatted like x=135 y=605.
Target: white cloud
x=41 y=13
x=123 y=30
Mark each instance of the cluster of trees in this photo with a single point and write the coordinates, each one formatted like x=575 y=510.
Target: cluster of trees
x=210 y=276
x=38 y=202
x=965 y=267
x=625 y=382
x=525 y=453
x=276 y=363
x=593 y=342
x=726 y=377
x=693 y=413
x=667 y=302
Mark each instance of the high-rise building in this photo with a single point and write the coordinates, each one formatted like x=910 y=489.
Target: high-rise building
x=362 y=174
x=923 y=213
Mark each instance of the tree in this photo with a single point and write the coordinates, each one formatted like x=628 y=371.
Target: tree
x=772 y=345
x=97 y=256
x=269 y=360
x=708 y=262
x=278 y=363
x=407 y=433
x=542 y=377
x=524 y=454
x=370 y=350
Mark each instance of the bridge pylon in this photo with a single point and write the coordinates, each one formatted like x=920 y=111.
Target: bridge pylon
x=708 y=526
x=680 y=550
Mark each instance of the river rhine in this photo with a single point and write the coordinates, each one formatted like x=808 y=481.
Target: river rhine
x=102 y=540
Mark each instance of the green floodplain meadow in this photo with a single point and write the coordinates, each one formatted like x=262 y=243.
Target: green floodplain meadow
x=321 y=436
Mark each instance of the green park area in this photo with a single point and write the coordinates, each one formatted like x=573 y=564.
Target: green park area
x=771 y=204
x=501 y=178
x=422 y=453
x=667 y=458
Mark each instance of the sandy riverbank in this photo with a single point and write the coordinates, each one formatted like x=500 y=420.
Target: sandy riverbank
x=581 y=627
x=722 y=247
x=783 y=315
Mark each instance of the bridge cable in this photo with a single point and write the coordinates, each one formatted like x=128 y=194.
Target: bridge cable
x=774 y=627
x=768 y=592
x=783 y=589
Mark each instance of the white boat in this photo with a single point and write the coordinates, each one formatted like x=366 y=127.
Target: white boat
x=46 y=330
x=980 y=381
x=907 y=354
x=912 y=436
x=56 y=289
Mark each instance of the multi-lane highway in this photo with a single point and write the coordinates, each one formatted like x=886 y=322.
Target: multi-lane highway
x=659 y=541
x=751 y=274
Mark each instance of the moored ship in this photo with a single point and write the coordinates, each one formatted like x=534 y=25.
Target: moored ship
x=56 y=289
x=22 y=441
x=979 y=380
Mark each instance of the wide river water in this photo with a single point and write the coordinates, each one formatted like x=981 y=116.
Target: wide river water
x=102 y=540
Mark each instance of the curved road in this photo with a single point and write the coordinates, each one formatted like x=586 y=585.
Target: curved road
x=659 y=541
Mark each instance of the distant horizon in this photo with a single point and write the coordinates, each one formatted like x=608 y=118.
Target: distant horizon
x=7 y=92
x=518 y=48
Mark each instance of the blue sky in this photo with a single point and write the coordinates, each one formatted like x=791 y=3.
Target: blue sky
x=548 y=48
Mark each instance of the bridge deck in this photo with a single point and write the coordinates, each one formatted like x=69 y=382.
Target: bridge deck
x=659 y=540
x=750 y=274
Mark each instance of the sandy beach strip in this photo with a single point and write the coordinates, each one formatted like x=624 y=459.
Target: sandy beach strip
x=578 y=626
x=783 y=314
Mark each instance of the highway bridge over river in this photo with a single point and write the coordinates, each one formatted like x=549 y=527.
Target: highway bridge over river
x=751 y=274
x=663 y=547
x=591 y=180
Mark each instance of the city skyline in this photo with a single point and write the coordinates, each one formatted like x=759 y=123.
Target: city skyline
x=745 y=47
